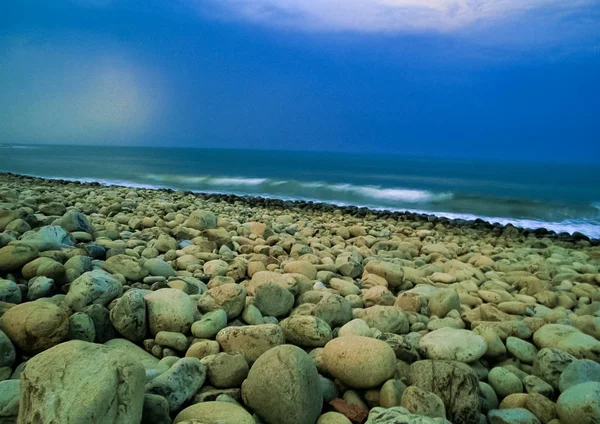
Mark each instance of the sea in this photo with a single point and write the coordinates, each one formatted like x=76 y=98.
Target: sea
x=557 y=196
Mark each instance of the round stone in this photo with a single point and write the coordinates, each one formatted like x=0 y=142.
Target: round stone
x=35 y=326
x=359 y=362
x=213 y=413
x=504 y=382
x=281 y=387
x=453 y=344
x=580 y=404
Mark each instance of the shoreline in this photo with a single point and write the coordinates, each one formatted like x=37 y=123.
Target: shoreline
x=359 y=211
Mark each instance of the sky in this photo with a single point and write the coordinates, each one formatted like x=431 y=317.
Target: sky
x=505 y=79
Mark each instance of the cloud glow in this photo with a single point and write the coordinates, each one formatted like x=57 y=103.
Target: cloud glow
x=61 y=95
x=379 y=15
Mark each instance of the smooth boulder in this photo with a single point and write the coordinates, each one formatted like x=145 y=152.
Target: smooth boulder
x=282 y=387
x=360 y=362
x=78 y=383
x=35 y=326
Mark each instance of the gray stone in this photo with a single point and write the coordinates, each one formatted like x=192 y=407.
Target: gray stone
x=226 y=370
x=50 y=237
x=76 y=266
x=522 y=350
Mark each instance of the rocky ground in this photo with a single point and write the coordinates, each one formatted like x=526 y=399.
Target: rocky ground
x=121 y=305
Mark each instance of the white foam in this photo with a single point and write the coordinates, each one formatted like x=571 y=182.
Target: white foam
x=397 y=194
x=237 y=181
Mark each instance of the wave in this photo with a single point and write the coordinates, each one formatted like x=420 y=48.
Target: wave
x=319 y=189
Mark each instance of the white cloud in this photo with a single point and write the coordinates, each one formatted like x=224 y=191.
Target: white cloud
x=377 y=15
x=74 y=93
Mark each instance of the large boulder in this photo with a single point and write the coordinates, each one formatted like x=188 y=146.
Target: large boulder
x=281 y=387
x=359 y=362
x=35 y=326
x=128 y=315
x=93 y=287
x=79 y=382
x=455 y=383
x=169 y=310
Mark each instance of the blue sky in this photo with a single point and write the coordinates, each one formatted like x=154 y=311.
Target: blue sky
x=512 y=79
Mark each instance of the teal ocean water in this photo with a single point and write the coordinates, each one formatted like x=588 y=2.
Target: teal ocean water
x=559 y=197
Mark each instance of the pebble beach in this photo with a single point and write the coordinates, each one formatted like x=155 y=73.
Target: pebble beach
x=127 y=305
